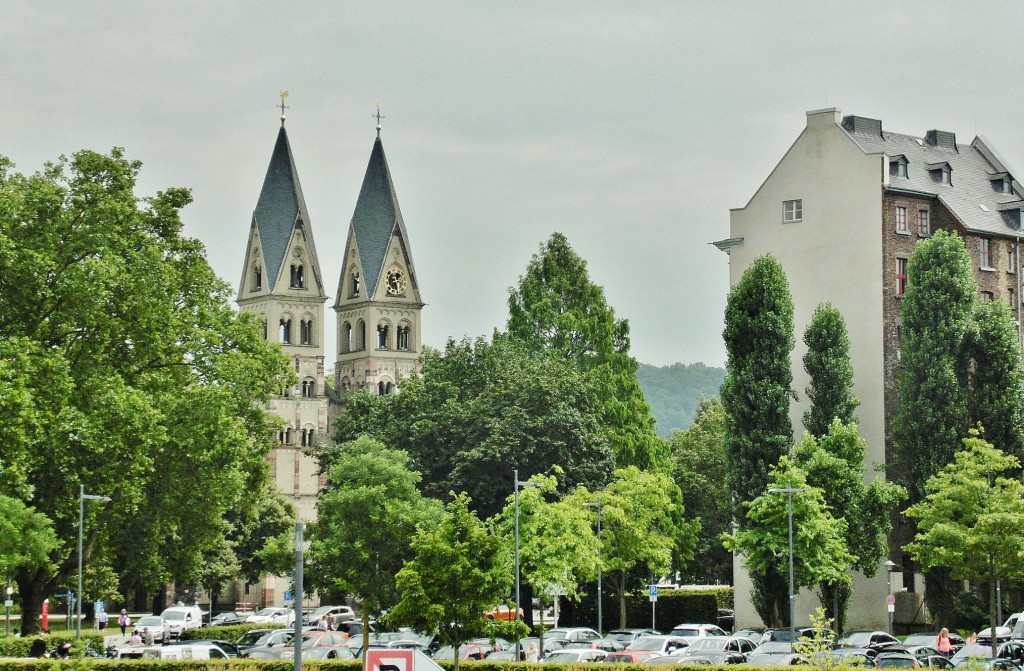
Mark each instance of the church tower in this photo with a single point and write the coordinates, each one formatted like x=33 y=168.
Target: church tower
x=281 y=281
x=378 y=302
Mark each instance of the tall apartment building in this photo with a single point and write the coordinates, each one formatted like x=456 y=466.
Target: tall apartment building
x=842 y=211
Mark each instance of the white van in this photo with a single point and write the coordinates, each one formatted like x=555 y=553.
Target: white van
x=172 y=652
x=181 y=618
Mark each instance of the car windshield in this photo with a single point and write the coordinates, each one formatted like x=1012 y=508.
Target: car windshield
x=174 y=615
x=562 y=657
x=708 y=644
x=647 y=643
x=686 y=632
x=149 y=621
x=321 y=611
x=266 y=612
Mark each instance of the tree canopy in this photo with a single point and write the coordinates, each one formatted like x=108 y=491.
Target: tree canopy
x=556 y=306
x=827 y=362
x=481 y=409
x=125 y=371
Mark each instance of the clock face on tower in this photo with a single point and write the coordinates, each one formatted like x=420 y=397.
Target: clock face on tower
x=395 y=282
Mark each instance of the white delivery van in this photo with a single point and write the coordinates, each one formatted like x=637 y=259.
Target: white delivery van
x=172 y=652
x=182 y=618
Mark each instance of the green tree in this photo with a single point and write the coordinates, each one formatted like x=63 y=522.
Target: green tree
x=641 y=527
x=556 y=306
x=997 y=379
x=932 y=417
x=834 y=463
x=969 y=522
x=366 y=519
x=557 y=545
x=699 y=465
x=455 y=576
x=820 y=553
x=481 y=409
x=130 y=375
x=827 y=362
x=756 y=394
x=26 y=536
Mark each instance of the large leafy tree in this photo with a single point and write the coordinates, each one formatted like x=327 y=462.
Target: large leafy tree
x=129 y=374
x=827 y=362
x=756 y=395
x=481 y=409
x=698 y=463
x=642 y=528
x=820 y=552
x=556 y=306
x=454 y=577
x=366 y=519
x=932 y=417
x=834 y=463
x=971 y=517
x=997 y=377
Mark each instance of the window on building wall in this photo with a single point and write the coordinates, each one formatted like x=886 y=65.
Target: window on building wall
x=355 y=285
x=285 y=331
x=361 y=333
x=901 y=277
x=257 y=278
x=381 y=388
x=298 y=280
x=308 y=388
x=306 y=332
x=792 y=211
x=924 y=223
x=288 y=436
x=898 y=167
x=403 y=337
x=1011 y=296
x=1011 y=260
x=985 y=296
x=901 y=219
x=382 y=336
x=984 y=257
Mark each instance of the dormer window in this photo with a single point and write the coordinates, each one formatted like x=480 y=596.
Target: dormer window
x=941 y=173
x=298 y=280
x=898 y=166
x=1001 y=182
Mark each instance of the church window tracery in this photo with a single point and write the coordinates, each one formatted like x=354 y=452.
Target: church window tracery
x=298 y=280
x=286 y=331
x=382 y=336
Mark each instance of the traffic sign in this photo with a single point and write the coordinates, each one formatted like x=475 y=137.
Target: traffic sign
x=890 y=600
x=652 y=592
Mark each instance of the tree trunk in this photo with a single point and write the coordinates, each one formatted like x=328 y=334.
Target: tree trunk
x=621 y=589
x=33 y=587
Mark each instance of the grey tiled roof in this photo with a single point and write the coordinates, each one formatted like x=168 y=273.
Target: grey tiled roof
x=281 y=209
x=376 y=218
x=970 y=196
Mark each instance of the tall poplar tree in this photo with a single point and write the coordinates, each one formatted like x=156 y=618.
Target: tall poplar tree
x=756 y=394
x=556 y=306
x=997 y=379
x=827 y=362
x=933 y=416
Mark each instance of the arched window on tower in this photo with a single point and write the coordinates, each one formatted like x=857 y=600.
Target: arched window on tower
x=257 y=278
x=355 y=285
x=361 y=336
x=381 y=389
x=346 y=337
x=306 y=332
x=382 y=336
x=402 y=335
x=308 y=388
x=288 y=436
x=264 y=328
x=298 y=279
x=286 y=330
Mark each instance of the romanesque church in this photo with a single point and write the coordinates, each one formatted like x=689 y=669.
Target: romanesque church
x=377 y=307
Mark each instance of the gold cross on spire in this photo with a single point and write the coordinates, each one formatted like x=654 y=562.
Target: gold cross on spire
x=378 y=116
x=284 y=95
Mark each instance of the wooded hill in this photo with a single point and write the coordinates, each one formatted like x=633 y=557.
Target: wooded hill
x=675 y=391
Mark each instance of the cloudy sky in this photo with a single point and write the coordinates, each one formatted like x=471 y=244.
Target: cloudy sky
x=632 y=127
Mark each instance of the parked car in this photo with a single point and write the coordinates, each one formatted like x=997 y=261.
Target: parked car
x=737 y=644
x=271 y=615
x=229 y=649
x=317 y=653
x=631 y=656
x=773 y=659
x=503 y=613
x=606 y=644
x=225 y=618
x=976 y=651
x=896 y=660
x=182 y=618
x=627 y=636
x=666 y=645
x=712 y=657
x=854 y=656
x=262 y=638
x=932 y=639
x=328 y=615
x=692 y=632
x=874 y=640
x=158 y=628
x=467 y=651
x=575 y=656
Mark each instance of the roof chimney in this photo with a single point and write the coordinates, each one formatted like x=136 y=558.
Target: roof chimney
x=862 y=125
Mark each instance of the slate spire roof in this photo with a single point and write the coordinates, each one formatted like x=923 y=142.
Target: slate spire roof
x=377 y=218
x=280 y=210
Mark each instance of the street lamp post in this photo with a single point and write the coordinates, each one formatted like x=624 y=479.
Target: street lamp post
x=597 y=505
x=889 y=566
x=82 y=497
x=518 y=485
x=789 y=512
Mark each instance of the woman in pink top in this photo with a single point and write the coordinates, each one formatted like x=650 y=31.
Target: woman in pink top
x=943 y=645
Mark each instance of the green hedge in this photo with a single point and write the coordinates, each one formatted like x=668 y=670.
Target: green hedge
x=17 y=646
x=674 y=607
x=226 y=633
x=260 y=665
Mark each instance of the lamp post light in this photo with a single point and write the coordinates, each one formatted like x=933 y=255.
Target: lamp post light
x=789 y=491
x=889 y=566
x=518 y=485
x=82 y=497
x=597 y=505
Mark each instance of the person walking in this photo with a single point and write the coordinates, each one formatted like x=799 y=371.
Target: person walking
x=124 y=621
x=101 y=620
x=943 y=644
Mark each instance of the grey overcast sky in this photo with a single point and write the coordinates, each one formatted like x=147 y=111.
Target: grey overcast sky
x=632 y=127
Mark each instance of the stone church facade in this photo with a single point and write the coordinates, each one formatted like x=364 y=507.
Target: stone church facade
x=377 y=308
